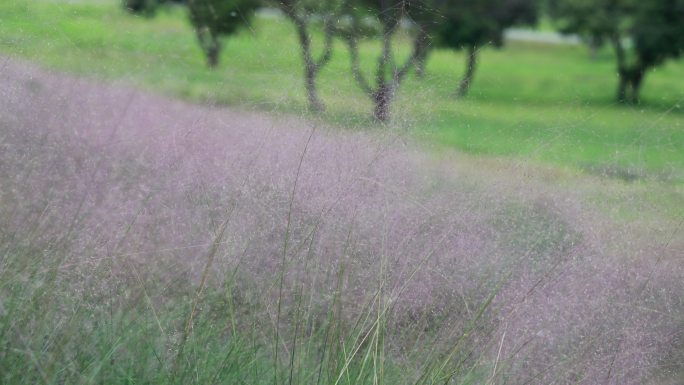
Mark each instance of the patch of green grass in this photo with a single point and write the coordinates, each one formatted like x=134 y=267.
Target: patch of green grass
x=545 y=103
x=107 y=323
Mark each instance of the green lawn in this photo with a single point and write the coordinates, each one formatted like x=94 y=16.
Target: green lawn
x=548 y=104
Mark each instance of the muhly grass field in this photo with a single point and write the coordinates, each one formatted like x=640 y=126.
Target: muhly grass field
x=146 y=240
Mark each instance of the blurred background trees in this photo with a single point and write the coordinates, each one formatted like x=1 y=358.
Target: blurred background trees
x=473 y=24
x=643 y=34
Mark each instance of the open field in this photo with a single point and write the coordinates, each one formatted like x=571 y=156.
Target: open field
x=161 y=223
x=225 y=246
x=544 y=103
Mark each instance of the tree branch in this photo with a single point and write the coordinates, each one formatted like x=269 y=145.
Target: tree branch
x=329 y=34
x=352 y=43
x=385 y=56
x=401 y=73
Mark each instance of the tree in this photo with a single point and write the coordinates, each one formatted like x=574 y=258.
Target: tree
x=146 y=7
x=213 y=18
x=425 y=16
x=473 y=24
x=302 y=13
x=644 y=34
x=388 y=74
x=142 y=7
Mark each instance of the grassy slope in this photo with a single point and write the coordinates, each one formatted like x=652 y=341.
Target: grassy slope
x=559 y=112
x=545 y=103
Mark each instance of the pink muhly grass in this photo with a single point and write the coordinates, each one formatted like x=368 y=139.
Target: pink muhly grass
x=138 y=180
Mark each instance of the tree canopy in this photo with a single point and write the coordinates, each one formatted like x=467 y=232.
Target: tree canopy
x=479 y=22
x=644 y=34
x=214 y=18
x=472 y=24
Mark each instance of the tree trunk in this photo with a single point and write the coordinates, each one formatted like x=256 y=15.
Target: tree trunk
x=629 y=87
x=315 y=103
x=383 y=92
x=637 y=80
x=213 y=51
x=623 y=84
x=467 y=79
x=631 y=75
x=421 y=49
x=211 y=46
x=310 y=67
x=382 y=98
x=420 y=64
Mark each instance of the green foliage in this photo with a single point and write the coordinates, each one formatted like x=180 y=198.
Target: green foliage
x=593 y=20
x=221 y=17
x=214 y=18
x=644 y=34
x=658 y=30
x=469 y=24
x=466 y=23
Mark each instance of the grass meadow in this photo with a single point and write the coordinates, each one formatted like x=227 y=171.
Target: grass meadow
x=162 y=223
x=536 y=102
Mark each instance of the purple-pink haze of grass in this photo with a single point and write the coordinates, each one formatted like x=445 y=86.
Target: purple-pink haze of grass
x=120 y=176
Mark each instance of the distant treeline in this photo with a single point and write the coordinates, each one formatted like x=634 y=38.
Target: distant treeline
x=643 y=34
